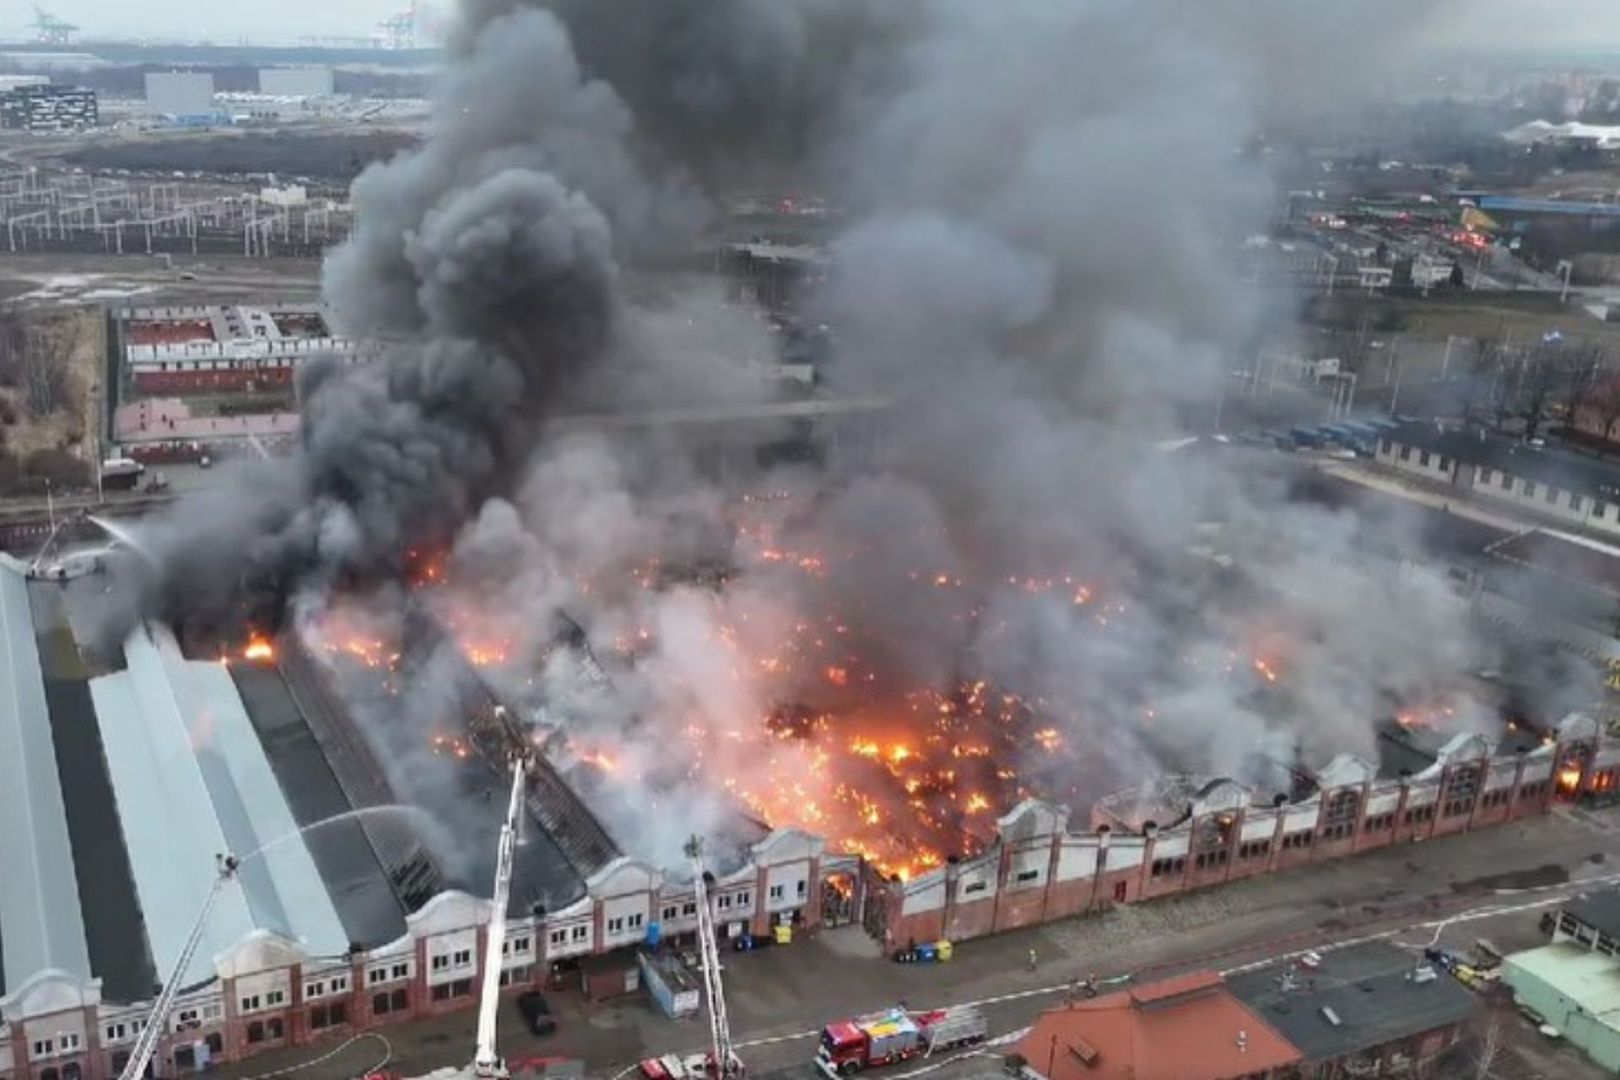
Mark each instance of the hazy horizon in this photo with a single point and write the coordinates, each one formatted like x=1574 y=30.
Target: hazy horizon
x=1490 y=25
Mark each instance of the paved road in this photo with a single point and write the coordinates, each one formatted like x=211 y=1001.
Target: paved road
x=1491 y=883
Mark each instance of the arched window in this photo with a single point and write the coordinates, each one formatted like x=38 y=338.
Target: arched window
x=49 y=1073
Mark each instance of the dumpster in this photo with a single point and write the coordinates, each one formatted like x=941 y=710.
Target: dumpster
x=926 y=953
x=945 y=949
x=784 y=935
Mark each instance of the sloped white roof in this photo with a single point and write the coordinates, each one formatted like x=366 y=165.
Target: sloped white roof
x=192 y=781
x=41 y=922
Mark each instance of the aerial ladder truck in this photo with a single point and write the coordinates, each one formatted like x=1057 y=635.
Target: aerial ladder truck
x=487 y=1063
x=721 y=1062
x=157 y=1020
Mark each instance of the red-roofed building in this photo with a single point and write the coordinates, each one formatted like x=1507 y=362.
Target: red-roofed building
x=1187 y=1028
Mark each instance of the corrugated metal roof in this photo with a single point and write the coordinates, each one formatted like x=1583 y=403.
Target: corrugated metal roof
x=170 y=827
x=41 y=924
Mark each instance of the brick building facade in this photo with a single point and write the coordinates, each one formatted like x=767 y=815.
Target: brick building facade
x=269 y=993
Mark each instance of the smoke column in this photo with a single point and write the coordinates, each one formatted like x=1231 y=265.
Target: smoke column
x=1043 y=197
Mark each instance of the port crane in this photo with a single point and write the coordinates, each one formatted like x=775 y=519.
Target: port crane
x=158 y=1019
x=399 y=29
x=52 y=31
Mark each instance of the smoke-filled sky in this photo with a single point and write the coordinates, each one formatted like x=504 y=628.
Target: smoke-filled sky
x=1003 y=591
x=1496 y=25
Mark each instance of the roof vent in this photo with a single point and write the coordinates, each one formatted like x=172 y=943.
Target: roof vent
x=1084 y=1051
x=1243 y=1042
x=1330 y=1016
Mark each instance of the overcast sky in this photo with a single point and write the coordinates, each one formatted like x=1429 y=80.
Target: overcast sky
x=1508 y=24
x=220 y=21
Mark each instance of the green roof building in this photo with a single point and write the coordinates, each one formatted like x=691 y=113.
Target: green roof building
x=1575 y=990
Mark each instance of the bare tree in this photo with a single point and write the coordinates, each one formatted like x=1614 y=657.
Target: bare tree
x=1471 y=391
x=1539 y=383
x=45 y=358
x=1490 y=1045
x=1583 y=369
x=13 y=340
x=1496 y=373
x=1604 y=407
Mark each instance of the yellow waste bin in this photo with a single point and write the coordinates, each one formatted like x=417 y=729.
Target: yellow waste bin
x=784 y=935
x=944 y=950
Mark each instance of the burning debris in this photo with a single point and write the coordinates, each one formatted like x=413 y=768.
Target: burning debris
x=996 y=600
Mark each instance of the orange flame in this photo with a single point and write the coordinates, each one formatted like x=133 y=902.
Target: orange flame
x=1569 y=779
x=259 y=648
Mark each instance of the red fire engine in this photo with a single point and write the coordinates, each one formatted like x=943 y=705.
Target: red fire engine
x=884 y=1038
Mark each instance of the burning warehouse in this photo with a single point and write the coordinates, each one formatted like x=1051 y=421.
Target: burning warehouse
x=135 y=767
x=883 y=676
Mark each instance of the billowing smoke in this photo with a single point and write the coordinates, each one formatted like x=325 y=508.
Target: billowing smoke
x=488 y=265
x=1042 y=200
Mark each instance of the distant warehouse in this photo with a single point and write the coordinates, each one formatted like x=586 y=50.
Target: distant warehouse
x=296 y=82
x=180 y=94
x=48 y=108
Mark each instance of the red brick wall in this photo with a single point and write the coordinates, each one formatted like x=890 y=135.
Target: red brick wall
x=1108 y=886
x=1019 y=907
x=230 y=380
x=972 y=918
x=1068 y=898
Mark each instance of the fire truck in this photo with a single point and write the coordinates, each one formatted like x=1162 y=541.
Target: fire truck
x=884 y=1038
x=676 y=1067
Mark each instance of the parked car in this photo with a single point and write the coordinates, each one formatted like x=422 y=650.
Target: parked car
x=536 y=1013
